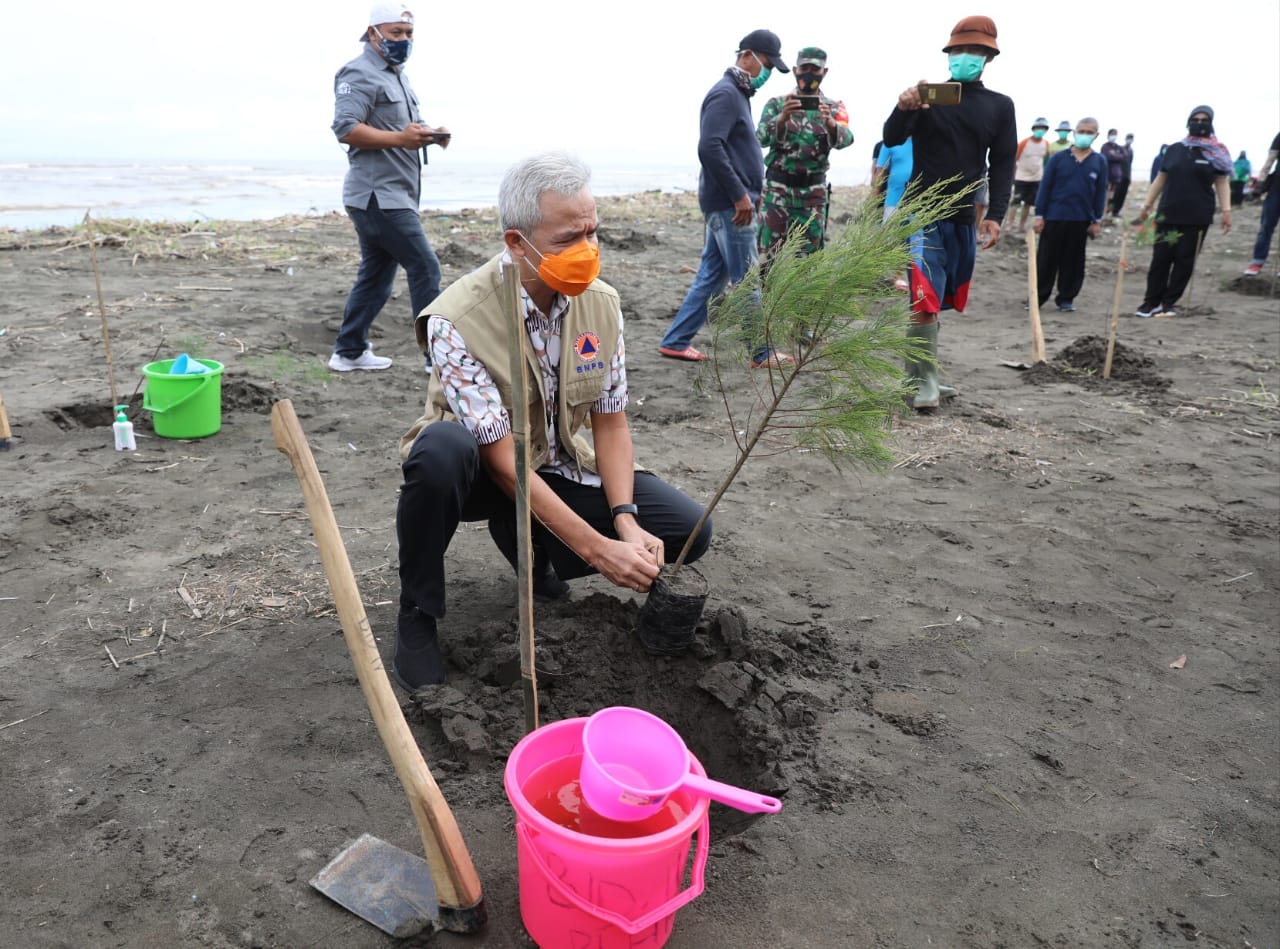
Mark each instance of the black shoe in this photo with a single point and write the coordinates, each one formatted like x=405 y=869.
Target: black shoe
x=547 y=587
x=418 y=660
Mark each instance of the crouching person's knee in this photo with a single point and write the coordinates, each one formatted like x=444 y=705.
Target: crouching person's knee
x=699 y=546
x=444 y=455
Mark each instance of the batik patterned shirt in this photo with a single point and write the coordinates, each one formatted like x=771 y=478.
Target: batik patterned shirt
x=474 y=398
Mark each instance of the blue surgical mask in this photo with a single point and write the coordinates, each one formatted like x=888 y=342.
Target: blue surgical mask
x=966 y=67
x=764 y=74
x=1085 y=139
x=395 y=51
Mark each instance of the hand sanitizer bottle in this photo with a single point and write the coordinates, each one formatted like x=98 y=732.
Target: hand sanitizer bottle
x=124 y=431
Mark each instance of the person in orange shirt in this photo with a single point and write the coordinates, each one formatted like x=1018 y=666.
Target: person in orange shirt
x=1028 y=170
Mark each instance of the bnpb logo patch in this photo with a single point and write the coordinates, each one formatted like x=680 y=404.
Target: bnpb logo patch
x=587 y=346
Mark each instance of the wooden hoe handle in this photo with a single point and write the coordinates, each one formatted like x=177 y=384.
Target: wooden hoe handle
x=457 y=885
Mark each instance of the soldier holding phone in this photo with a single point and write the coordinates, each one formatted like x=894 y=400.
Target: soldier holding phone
x=799 y=131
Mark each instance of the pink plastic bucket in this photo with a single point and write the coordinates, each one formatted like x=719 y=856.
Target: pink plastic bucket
x=577 y=889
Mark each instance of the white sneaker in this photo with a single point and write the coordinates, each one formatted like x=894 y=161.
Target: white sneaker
x=366 y=360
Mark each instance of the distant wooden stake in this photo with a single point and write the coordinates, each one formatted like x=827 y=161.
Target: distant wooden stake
x=520 y=432
x=1033 y=301
x=188 y=599
x=1115 y=304
x=102 y=311
x=1191 y=281
x=5 y=434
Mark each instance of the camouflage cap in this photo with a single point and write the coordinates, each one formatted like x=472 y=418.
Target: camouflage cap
x=812 y=56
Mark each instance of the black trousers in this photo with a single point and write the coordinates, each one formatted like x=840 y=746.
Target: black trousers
x=1118 y=195
x=1060 y=257
x=445 y=484
x=1172 y=262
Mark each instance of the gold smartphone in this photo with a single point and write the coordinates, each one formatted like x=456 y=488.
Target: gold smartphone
x=940 y=93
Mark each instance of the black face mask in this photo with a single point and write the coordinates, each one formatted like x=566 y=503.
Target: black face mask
x=1200 y=129
x=808 y=83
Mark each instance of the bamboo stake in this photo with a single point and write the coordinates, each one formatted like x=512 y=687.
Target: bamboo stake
x=1033 y=300
x=520 y=434
x=4 y=426
x=1191 y=281
x=1115 y=304
x=102 y=311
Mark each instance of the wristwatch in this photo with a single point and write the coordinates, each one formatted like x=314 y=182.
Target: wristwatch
x=623 y=509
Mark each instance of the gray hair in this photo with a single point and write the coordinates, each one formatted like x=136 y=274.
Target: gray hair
x=525 y=183
x=1090 y=120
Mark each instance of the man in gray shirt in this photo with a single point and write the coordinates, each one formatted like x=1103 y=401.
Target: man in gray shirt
x=376 y=115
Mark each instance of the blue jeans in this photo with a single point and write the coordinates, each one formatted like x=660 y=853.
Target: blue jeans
x=387 y=238
x=1270 y=214
x=727 y=255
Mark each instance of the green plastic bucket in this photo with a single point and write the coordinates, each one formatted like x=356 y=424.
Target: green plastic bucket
x=188 y=405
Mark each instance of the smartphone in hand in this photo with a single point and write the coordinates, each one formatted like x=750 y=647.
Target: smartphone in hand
x=809 y=103
x=940 y=93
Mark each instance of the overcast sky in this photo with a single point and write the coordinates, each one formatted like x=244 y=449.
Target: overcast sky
x=246 y=80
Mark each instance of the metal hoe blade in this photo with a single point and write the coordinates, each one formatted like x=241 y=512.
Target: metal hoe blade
x=383 y=885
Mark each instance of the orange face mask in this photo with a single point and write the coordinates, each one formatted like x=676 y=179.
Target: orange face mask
x=571 y=271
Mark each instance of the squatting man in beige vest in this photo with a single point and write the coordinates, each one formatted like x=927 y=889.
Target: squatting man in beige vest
x=593 y=511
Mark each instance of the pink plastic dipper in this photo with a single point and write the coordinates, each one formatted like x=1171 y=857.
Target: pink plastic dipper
x=633 y=760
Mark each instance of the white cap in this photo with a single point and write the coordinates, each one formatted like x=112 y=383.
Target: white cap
x=387 y=13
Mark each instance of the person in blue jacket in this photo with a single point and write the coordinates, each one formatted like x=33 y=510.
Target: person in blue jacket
x=729 y=188
x=1069 y=208
x=1156 y=162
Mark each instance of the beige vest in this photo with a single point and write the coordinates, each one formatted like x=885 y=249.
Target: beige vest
x=589 y=336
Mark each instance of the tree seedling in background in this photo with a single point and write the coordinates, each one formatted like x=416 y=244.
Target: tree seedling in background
x=847 y=331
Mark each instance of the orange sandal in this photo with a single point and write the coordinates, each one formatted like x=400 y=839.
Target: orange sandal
x=688 y=354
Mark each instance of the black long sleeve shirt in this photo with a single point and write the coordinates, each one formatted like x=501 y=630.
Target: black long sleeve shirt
x=977 y=137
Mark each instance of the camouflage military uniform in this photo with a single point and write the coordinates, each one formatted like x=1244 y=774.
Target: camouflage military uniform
x=795 y=188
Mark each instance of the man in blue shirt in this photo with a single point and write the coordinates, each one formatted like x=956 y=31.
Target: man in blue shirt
x=376 y=115
x=729 y=189
x=893 y=167
x=1069 y=208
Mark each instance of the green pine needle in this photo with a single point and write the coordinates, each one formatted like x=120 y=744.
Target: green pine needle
x=836 y=311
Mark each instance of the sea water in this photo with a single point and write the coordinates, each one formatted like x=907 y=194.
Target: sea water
x=35 y=194
x=555 y=792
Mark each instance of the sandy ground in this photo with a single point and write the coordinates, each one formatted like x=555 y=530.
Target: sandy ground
x=964 y=676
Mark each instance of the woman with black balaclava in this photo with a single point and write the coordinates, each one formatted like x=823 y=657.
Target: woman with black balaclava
x=1193 y=173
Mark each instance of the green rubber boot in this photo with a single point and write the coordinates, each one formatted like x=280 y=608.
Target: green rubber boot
x=923 y=373
x=946 y=392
